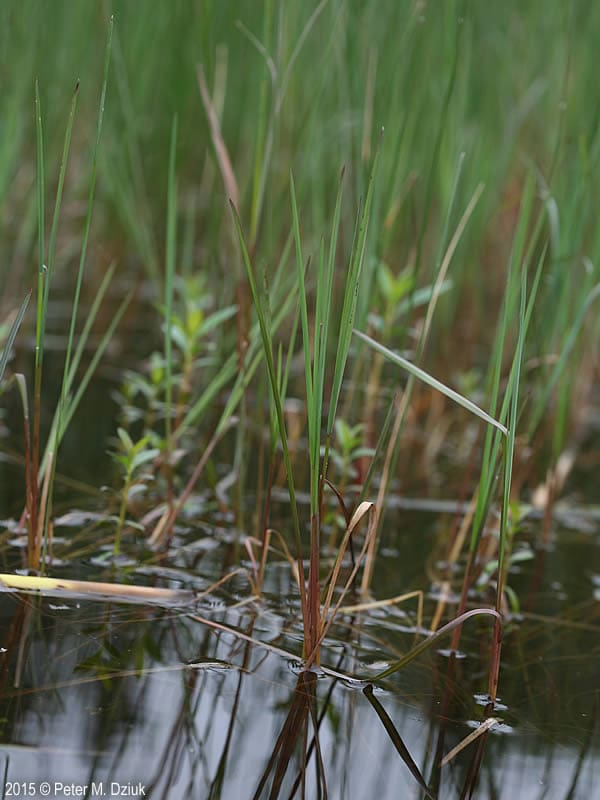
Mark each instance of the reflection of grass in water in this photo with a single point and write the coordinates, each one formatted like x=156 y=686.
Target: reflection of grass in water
x=136 y=640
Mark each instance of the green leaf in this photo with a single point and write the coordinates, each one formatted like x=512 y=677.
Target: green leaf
x=431 y=381
x=143 y=458
x=12 y=335
x=125 y=439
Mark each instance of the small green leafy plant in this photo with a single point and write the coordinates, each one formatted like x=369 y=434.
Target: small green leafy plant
x=132 y=457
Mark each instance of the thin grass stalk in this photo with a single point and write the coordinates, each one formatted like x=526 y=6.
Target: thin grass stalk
x=171 y=234
x=279 y=90
x=351 y=291
x=22 y=387
x=88 y=221
x=509 y=451
x=44 y=276
x=65 y=411
x=53 y=441
x=260 y=167
x=44 y=531
x=12 y=334
x=321 y=320
x=58 y=201
x=62 y=418
x=419 y=373
x=327 y=616
x=94 y=361
x=268 y=351
x=165 y=525
x=90 y=204
x=223 y=159
x=283 y=378
x=313 y=435
x=48 y=272
x=324 y=319
x=350 y=298
x=39 y=330
x=252 y=358
x=141 y=214
x=313 y=403
x=434 y=639
x=315 y=372
x=436 y=149
x=168 y=302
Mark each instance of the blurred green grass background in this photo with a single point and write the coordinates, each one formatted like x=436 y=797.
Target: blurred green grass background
x=510 y=88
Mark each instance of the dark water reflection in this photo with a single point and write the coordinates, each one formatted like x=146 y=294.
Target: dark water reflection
x=98 y=694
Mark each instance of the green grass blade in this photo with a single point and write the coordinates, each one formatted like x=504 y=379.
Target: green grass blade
x=260 y=167
x=252 y=359
x=74 y=366
x=322 y=324
x=41 y=191
x=268 y=351
x=350 y=299
x=434 y=639
x=99 y=351
x=510 y=441
x=10 y=340
x=431 y=381
x=169 y=279
x=90 y=204
x=58 y=201
x=303 y=305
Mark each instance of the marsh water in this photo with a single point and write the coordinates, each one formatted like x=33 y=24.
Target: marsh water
x=207 y=699
x=100 y=694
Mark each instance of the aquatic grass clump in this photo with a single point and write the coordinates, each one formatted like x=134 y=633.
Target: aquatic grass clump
x=315 y=360
x=40 y=468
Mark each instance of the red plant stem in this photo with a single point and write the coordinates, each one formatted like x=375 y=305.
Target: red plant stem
x=495 y=659
x=314 y=589
x=33 y=476
x=29 y=496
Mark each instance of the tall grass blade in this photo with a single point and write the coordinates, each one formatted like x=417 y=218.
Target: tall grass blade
x=431 y=381
x=10 y=339
x=350 y=298
x=260 y=167
x=82 y=343
x=509 y=451
x=99 y=351
x=90 y=204
x=227 y=173
x=268 y=352
x=41 y=191
x=58 y=202
x=303 y=317
x=169 y=279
